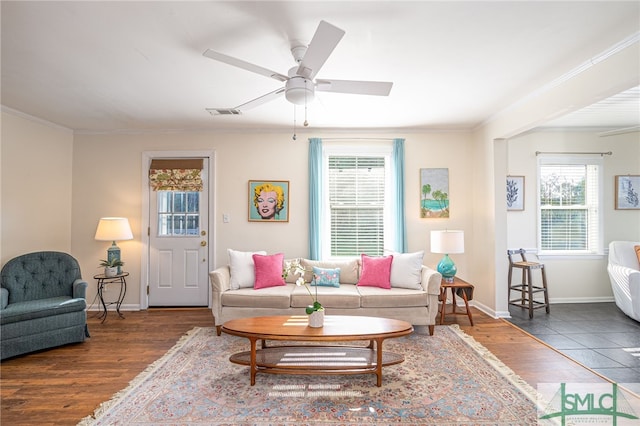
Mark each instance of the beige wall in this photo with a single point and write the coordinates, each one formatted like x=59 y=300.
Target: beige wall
x=36 y=187
x=108 y=180
x=618 y=224
x=109 y=177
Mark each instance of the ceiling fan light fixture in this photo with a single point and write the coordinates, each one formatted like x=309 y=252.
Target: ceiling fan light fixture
x=300 y=87
x=299 y=91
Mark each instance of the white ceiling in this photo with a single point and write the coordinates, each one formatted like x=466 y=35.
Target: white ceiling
x=123 y=65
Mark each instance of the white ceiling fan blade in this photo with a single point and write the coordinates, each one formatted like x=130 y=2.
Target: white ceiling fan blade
x=261 y=100
x=322 y=44
x=244 y=65
x=377 y=88
x=248 y=105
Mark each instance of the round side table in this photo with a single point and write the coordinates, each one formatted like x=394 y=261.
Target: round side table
x=103 y=281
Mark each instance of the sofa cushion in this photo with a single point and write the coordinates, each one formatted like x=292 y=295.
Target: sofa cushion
x=376 y=271
x=406 y=270
x=375 y=297
x=268 y=270
x=345 y=296
x=242 y=268
x=39 y=308
x=272 y=297
x=348 y=269
x=326 y=277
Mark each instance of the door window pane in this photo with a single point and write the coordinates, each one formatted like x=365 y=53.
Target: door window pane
x=178 y=213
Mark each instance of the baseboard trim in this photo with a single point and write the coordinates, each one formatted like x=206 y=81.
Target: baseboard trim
x=123 y=307
x=601 y=299
x=487 y=310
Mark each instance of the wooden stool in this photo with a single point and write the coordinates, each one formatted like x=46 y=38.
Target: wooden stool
x=526 y=290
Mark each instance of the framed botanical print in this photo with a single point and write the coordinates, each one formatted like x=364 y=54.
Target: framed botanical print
x=515 y=193
x=268 y=201
x=627 y=187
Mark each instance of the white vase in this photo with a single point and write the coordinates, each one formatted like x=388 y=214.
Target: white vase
x=111 y=272
x=316 y=318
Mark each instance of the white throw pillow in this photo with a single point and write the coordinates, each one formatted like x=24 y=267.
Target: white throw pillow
x=242 y=268
x=406 y=270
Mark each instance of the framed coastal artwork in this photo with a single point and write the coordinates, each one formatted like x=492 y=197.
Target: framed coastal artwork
x=627 y=188
x=434 y=193
x=268 y=201
x=515 y=193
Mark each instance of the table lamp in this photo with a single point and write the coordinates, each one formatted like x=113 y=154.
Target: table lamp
x=113 y=229
x=447 y=242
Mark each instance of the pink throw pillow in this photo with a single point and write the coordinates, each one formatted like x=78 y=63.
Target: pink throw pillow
x=376 y=271
x=268 y=270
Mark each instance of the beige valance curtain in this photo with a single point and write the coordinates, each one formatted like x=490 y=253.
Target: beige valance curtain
x=176 y=175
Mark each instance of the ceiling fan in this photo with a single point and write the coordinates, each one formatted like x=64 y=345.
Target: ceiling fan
x=300 y=85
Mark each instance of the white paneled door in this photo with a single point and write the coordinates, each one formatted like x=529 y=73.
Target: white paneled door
x=178 y=246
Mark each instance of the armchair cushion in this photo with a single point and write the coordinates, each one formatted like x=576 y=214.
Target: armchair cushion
x=39 y=308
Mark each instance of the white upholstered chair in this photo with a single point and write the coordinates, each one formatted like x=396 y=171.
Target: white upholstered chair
x=624 y=272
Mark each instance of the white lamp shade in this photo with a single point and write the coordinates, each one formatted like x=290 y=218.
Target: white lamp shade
x=447 y=242
x=113 y=229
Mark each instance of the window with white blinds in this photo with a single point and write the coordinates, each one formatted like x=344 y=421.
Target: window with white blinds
x=569 y=202
x=357 y=201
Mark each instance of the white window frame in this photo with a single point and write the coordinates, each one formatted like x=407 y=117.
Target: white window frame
x=594 y=204
x=329 y=150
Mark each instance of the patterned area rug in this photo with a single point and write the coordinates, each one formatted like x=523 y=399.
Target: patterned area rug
x=446 y=379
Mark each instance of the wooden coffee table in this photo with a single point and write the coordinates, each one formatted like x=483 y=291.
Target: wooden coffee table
x=317 y=359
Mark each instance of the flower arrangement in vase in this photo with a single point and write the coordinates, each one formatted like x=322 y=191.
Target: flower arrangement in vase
x=315 y=311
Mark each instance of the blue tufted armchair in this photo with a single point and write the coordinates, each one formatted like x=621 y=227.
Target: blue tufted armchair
x=42 y=303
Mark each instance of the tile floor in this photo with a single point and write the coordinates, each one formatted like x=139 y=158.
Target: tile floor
x=598 y=335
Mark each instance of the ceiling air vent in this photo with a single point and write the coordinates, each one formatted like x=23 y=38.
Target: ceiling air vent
x=224 y=111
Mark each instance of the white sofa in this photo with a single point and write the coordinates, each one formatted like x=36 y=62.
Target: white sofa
x=418 y=305
x=624 y=273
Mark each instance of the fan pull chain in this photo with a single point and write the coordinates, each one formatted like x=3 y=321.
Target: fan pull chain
x=306 y=123
x=294 y=123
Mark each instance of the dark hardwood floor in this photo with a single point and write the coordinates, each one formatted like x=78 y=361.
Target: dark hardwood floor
x=63 y=385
